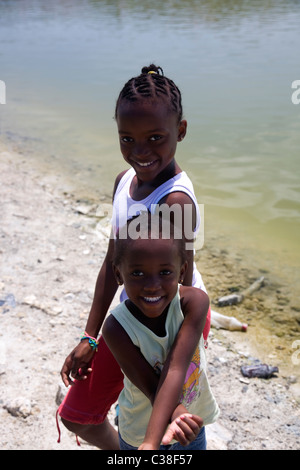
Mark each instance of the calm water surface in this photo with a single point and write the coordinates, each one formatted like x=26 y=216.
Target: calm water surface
x=64 y=63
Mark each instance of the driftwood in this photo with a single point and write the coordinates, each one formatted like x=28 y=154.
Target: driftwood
x=238 y=297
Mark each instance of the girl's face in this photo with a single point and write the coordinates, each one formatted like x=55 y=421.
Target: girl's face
x=148 y=134
x=150 y=271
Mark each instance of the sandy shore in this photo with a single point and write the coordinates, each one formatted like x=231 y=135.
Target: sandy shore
x=51 y=249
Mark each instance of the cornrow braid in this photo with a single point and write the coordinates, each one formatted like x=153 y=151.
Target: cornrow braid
x=152 y=83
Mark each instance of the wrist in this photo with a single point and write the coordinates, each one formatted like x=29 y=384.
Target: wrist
x=179 y=410
x=149 y=445
x=93 y=342
x=152 y=438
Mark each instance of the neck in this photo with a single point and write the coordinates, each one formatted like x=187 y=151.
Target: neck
x=169 y=172
x=156 y=325
x=141 y=189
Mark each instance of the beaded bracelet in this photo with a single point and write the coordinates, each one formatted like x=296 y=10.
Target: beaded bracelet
x=92 y=341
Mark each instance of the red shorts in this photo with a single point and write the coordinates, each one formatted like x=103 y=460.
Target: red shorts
x=207 y=325
x=88 y=401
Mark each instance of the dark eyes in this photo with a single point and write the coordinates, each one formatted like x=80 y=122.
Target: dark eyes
x=164 y=272
x=127 y=139
x=137 y=273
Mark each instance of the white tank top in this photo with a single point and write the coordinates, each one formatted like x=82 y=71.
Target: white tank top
x=124 y=207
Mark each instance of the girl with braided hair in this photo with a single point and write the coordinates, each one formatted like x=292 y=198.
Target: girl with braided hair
x=150 y=123
x=157 y=333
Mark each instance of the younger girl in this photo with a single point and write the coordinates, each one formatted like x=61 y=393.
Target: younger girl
x=140 y=333
x=150 y=124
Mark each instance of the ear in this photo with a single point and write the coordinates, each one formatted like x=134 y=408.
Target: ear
x=118 y=275
x=183 y=271
x=182 y=130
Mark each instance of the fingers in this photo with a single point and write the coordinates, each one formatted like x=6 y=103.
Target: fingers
x=184 y=429
x=66 y=379
x=65 y=373
x=81 y=373
x=72 y=370
x=169 y=435
x=191 y=424
x=187 y=430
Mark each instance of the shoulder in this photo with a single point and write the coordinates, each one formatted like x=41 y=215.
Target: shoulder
x=117 y=180
x=112 y=326
x=115 y=335
x=188 y=210
x=176 y=197
x=109 y=327
x=193 y=301
x=179 y=188
x=181 y=199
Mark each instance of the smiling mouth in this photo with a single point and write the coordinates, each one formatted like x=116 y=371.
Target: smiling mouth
x=152 y=299
x=145 y=164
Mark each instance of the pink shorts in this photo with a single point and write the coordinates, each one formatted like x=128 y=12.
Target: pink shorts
x=88 y=401
x=207 y=325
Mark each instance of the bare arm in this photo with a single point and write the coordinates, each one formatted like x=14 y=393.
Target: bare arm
x=133 y=363
x=106 y=286
x=78 y=361
x=188 y=224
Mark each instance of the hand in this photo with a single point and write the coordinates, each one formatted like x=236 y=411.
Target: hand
x=184 y=429
x=77 y=363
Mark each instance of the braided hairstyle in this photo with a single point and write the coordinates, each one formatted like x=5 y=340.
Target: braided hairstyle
x=147 y=226
x=152 y=84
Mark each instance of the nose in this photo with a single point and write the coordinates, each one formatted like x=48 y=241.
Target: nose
x=141 y=151
x=152 y=284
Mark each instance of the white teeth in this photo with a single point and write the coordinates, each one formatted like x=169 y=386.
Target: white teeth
x=144 y=164
x=152 y=299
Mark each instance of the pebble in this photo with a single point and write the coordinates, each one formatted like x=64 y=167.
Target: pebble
x=244 y=381
x=83 y=209
x=32 y=301
x=19 y=407
x=69 y=297
x=9 y=300
x=104 y=210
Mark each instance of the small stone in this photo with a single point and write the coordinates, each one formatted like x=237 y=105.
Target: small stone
x=83 y=209
x=69 y=297
x=19 y=407
x=104 y=210
x=244 y=381
x=30 y=300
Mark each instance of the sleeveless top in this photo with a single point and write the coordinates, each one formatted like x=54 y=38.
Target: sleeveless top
x=135 y=408
x=124 y=207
